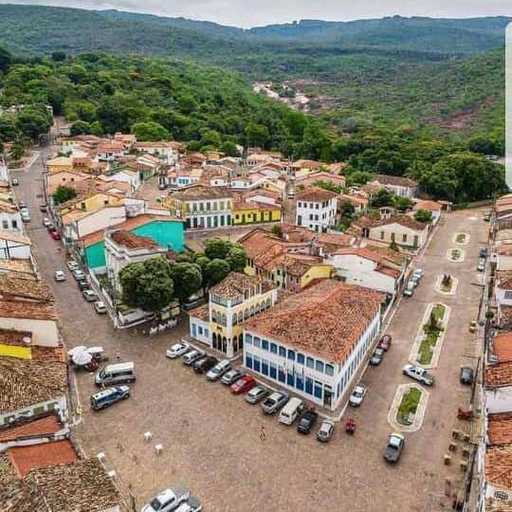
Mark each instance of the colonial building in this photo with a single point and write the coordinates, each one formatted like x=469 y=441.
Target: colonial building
x=316 y=209
x=235 y=299
x=315 y=342
x=403 y=187
x=202 y=207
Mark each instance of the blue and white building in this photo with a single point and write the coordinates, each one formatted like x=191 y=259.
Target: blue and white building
x=315 y=342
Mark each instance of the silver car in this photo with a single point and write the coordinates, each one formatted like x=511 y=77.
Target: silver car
x=357 y=396
x=274 y=402
x=326 y=431
x=256 y=394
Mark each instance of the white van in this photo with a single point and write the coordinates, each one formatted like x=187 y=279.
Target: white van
x=115 y=374
x=291 y=411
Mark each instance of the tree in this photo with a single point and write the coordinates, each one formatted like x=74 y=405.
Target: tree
x=216 y=248
x=237 y=258
x=402 y=203
x=483 y=145
x=17 y=151
x=277 y=230
x=229 y=148
x=80 y=128
x=33 y=122
x=216 y=271
x=424 y=216
x=147 y=285
x=58 y=56
x=63 y=194
x=5 y=59
x=187 y=279
x=257 y=134
x=150 y=131
x=382 y=198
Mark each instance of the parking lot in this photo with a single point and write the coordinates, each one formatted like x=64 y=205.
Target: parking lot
x=212 y=441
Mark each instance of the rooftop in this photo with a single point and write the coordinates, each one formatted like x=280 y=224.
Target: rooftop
x=327 y=319
x=202 y=313
x=236 y=284
x=503 y=346
x=27 y=382
x=498 y=466
x=26 y=458
x=10 y=308
x=315 y=194
x=132 y=241
x=499 y=428
x=498 y=375
x=397 y=181
x=197 y=192
x=17 y=287
x=404 y=220
x=43 y=426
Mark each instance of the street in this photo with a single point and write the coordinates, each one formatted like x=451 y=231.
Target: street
x=212 y=441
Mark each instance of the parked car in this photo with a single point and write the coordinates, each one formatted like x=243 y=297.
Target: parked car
x=25 y=216
x=394 y=448
x=414 y=281
x=481 y=265
x=257 y=394
x=274 y=402
x=167 y=501
x=43 y=207
x=204 y=364
x=418 y=373
x=467 y=375
x=291 y=411
x=219 y=370
x=487 y=217
x=83 y=284
x=72 y=265
x=50 y=227
x=243 y=385
x=90 y=295
x=377 y=357
x=307 y=421
x=78 y=274
x=22 y=205
x=191 y=505
x=192 y=356
x=120 y=373
x=46 y=222
x=357 y=396
x=55 y=235
x=325 y=432
x=484 y=252
x=177 y=350
x=418 y=273
x=15 y=182
x=409 y=289
x=109 y=396
x=231 y=377
x=385 y=342
x=100 y=307
x=60 y=276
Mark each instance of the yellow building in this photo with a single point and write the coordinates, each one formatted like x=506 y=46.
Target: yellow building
x=59 y=164
x=92 y=202
x=238 y=297
x=252 y=213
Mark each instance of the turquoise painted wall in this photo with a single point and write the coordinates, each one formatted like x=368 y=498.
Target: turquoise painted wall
x=164 y=233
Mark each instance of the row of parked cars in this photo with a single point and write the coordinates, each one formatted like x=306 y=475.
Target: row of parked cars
x=289 y=409
x=413 y=282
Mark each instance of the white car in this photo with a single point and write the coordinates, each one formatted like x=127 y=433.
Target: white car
x=90 y=296
x=418 y=373
x=191 y=505
x=100 y=307
x=78 y=275
x=177 y=350
x=47 y=222
x=357 y=396
x=73 y=265
x=418 y=272
x=167 y=501
x=60 y=276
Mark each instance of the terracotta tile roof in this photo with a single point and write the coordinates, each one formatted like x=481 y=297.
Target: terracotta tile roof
x=333 y=241
x=7 y=207
x=26 y=458
x=27 y=382
x=357 y=200
x=498 y=375
x=432 y=206
x=403 y=220
x=310 y=179
x=132 y=241
x=10 y=308
x=307 y=164
x=505 y=316
x=298 y=264
x=397 y=181
x=43 y=426
x=13 y=236
x=197 y=192
x=505 y=249
x=504 y=279
x=498 y=466
x=502 y=344
x=49 y=354
x=315 y=194
x=13 y=337
x=499 y=428
x=202 y=313
x=236 y=284
x=326 y=319
x=258 y=241
x=22 y=268
x=16 y=287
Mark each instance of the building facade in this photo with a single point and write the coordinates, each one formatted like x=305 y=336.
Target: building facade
x=316 y=209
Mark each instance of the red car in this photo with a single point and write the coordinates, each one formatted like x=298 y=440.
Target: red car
x=243 y=385
x=385 y=342
x=55 y=235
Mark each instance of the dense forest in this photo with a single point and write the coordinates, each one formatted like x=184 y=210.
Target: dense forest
x=432 y=111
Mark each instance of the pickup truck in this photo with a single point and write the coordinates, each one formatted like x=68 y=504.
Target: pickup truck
x=418 y=373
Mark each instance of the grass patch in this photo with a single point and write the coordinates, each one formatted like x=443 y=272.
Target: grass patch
x=456 y=254
x=447 y=283
x=461 y=238
x=408 y=406
x=432 y=331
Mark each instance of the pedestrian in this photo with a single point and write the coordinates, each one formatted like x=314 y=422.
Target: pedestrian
x=263 y=435
x=118 y=356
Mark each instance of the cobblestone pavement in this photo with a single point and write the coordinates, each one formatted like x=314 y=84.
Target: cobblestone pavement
x=212 y=441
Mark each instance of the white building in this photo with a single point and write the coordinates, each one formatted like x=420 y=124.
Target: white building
x=403 y=187
x=77 y=223
x=316 y=209
x=315 y=342
x=10 y=217
x=366 y=267
x=122 y=248
x=402 y=230
x=14 y=245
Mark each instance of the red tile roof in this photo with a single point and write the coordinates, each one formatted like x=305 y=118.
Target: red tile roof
x=499 y=428
x=25 y=309
x=498 y=375
x=397 y=181
x=132 y=241
x=315 y=194
x=44 y=426
x=503 y=347
x=201 y=313
x=326 y=319
x=498 y=466
x=26 y=458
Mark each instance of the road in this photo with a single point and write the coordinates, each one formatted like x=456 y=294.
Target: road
x=212 y=441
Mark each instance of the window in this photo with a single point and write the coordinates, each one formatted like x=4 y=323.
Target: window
x=320 y=366
x=248 y=361
x=257 y=343
x=264 y=367
x=300 y=358
x=273 y=348
x=248 y=339
x=309 y=386
x=299 y=383
x=382 y=235
x=280 y=375
x=273 y=371
x=264 y=344
x=404 y=237
x=14 y=224
x=282 y=351
x=5 y=224
x=291 y=355
x=256 y=364
x=310 y=362
x=318 y=389
x=200 y=330
x=329 y=369
x=290 y=379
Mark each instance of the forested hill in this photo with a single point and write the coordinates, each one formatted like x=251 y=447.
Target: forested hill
x=40 y=29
